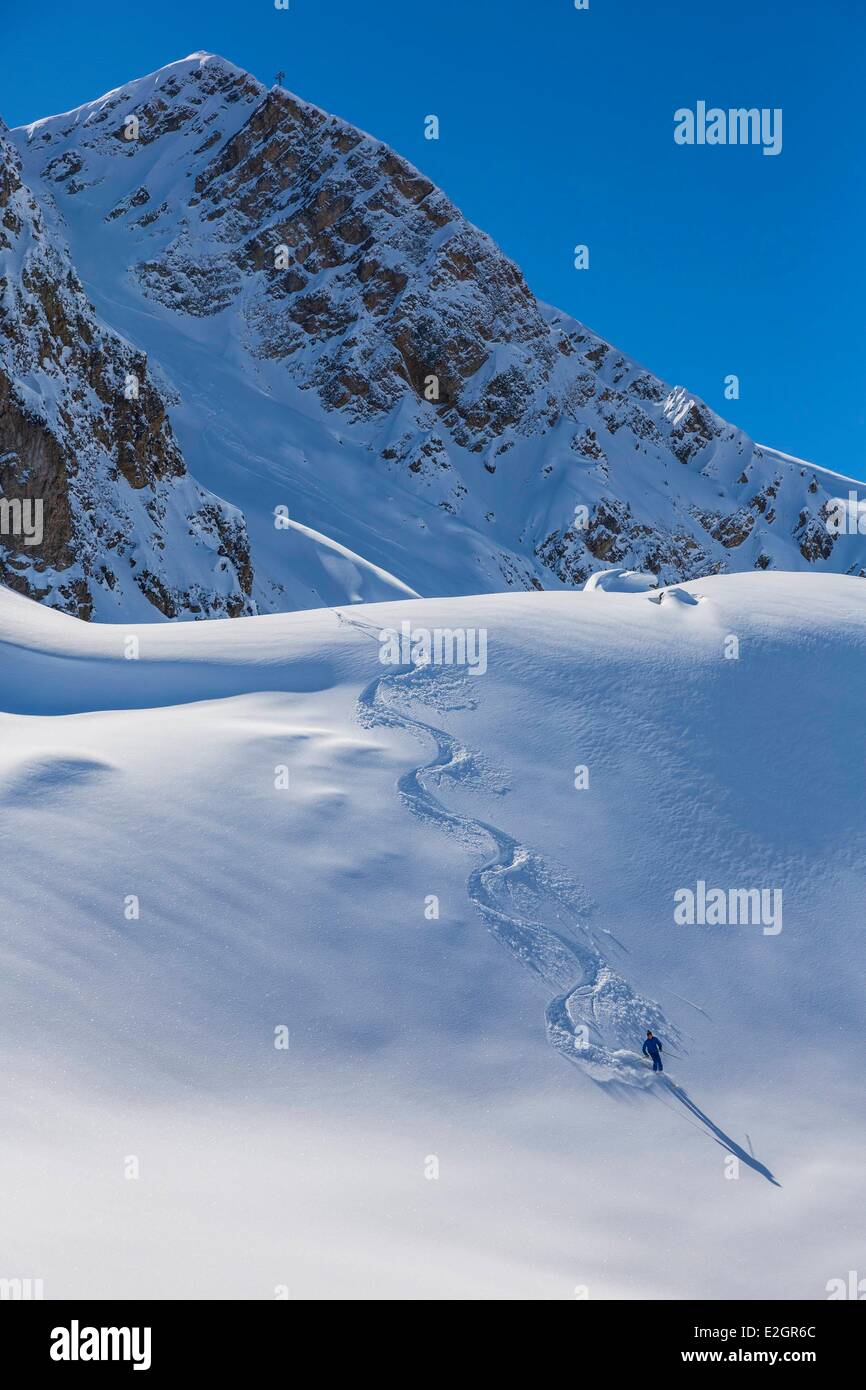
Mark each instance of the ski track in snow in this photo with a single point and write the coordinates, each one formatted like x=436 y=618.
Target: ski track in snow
x=595 y=1015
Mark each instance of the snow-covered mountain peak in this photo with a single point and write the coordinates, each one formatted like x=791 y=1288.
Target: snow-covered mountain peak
x=338 y=345
x=192 y=78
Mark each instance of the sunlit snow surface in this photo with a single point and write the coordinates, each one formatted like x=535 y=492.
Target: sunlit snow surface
x=154 y=773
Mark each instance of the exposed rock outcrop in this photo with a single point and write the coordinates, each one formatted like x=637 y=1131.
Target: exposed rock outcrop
x=85 y=436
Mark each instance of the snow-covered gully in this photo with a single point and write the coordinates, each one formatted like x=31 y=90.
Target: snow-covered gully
x=594 y=1017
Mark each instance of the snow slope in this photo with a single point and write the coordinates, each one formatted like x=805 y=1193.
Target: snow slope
x=297 y=287
x=415 y=1037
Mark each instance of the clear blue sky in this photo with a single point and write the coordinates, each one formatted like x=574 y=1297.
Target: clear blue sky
x=557 y=129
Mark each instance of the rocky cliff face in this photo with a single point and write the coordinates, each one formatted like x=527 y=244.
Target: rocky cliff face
x=332 y=328
x=87 y=452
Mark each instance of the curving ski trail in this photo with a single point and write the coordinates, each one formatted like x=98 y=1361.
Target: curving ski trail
x=595 y=1014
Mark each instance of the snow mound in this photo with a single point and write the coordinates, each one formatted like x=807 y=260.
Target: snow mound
x=683 y=598
x=621 y=582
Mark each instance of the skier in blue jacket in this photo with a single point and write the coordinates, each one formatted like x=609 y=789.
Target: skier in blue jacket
x=653 y=1048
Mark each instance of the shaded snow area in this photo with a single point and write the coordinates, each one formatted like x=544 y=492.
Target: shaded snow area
x=332 y=973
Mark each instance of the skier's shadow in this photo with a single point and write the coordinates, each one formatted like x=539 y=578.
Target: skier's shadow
x=721 y=1138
